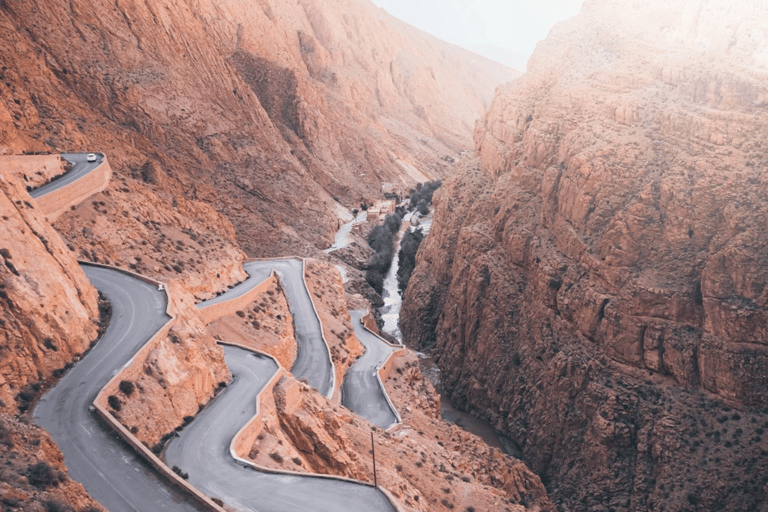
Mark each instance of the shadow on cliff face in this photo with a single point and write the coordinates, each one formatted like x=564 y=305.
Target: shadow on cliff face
x=275 y=86
x=609 y=392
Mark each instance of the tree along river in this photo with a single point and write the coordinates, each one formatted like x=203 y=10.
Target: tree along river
x=390 y=313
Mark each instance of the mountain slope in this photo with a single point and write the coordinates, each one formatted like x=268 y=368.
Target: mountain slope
x=243 y=104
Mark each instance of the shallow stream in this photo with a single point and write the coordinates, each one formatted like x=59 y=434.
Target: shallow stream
x=390 y=313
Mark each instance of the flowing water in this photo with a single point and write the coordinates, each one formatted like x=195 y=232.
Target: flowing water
x=390 y=313
x=393 y=301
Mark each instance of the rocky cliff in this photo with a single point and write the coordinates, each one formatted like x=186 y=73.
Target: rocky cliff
x=594 y=283
x=166 y=384
x=48 y=309
x=49 y=315
x=242 y=104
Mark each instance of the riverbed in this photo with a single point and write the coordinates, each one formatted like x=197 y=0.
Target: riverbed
x=390 y=313
x=393 y=301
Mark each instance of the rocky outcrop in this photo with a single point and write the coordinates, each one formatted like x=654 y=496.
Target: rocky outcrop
x=171 y=378
x=157 y=234
x=429 y=465
x=593 y=284
x=243 y=104
x=34 y=476
x=34 y=170
x=48 y=309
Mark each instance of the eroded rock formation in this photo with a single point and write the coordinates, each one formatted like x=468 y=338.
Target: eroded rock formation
x=595 y=283
x=48 y=309
x=242 y=104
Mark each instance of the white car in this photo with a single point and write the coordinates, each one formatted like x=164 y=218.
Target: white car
x=91 y=157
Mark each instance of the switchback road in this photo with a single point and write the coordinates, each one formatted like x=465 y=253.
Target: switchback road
x=362 y=392
x=202 y=450
x=108 y=469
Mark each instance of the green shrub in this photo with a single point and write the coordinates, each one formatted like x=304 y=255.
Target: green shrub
x=127 y=387
x=406 y=258
x=43 y=476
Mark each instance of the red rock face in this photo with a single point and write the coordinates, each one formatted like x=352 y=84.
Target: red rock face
x=595 y=284
x=242 y=104
x=48 y=309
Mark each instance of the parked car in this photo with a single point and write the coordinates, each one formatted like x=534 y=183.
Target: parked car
x=91 y=157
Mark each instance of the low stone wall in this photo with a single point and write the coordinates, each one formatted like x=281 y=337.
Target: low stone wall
x=153 y=460
x=230 y=307
x=55 y=203
x=369 y=322
x=383 y=371
x=101 y=406
x=241 y=444
x=334 y=394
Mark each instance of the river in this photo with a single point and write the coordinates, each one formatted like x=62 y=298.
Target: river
x=390 y=313
x=393 y=301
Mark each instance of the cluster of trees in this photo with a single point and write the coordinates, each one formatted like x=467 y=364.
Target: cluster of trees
x=406 y=258
x=421 y=196
x=381 y=239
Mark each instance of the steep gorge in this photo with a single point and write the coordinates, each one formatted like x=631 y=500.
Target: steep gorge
x=231 y=127
x=594 y=283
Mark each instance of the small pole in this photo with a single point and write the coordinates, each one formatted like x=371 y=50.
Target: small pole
x=373 y=450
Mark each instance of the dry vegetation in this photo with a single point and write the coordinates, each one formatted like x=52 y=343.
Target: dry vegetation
x=32 y=474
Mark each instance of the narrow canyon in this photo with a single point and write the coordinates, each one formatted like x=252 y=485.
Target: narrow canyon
x=203 y=295
x=594 y=284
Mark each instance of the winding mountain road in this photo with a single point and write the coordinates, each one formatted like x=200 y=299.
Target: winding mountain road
x=109 y=470
x=117 y=477
x=81 y=167
x=362 y=391
x=200 y=452
x=313 y=361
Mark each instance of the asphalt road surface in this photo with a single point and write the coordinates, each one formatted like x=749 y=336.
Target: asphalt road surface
x=116 y=476
x=362 y=392
x=81 y=168
x=109 y=469
x=312 y=361
x=343 y=238
x=202 y=450
x=256 y=275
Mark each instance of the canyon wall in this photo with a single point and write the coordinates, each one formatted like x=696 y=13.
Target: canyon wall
x=48 y=309
x=594 y=283
x=242 y=104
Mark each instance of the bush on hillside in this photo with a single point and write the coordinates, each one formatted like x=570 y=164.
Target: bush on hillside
x=423 y=194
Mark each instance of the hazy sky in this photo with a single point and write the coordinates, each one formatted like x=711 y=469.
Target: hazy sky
x=514 y=25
